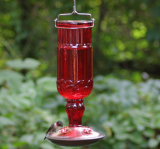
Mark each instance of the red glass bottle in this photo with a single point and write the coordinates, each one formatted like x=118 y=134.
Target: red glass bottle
x=74 y=66
x=74 y=59
x=74 y=78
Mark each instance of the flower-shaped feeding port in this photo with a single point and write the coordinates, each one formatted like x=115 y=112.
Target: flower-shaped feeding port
x=74 y=78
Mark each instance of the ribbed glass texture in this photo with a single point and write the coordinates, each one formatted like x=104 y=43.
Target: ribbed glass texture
x=74 y=60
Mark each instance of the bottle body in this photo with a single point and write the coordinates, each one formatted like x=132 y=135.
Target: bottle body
x=74 y=62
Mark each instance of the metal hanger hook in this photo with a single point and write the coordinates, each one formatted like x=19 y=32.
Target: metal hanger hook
x=74 y=7
x=75 y=12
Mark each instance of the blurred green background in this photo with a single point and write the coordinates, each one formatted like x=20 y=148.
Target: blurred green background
x=126 y=54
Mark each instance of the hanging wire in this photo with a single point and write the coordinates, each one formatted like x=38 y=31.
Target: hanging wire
x=74 y=7
x=75 y=12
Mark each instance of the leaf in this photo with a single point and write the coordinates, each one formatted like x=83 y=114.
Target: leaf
x=50 y=105
x=158 y=138
x=119 y=145
x=111 y=140
x=136 y=138
x=19 y=144
x=121 y=136
x=47 y=83
x=149 y=133
x=144 y=145
x=5 y=121
x=156 y=11
x=118 y=129
x=27 y=138
x=46 y=146
x=39 y=136
x=12 y=100
x=140 y=128
x=25 y=103
x=12 y=78
x=6 y=75
x=129 y=128
x=157 y=83
x=28 y=63
x=152 y=143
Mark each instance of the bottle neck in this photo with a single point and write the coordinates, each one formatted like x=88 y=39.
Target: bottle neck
x=75 y=109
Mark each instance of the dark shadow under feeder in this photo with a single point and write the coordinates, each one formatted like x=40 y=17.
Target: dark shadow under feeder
x=75 y=78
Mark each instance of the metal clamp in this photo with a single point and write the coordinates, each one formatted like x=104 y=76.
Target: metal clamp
x=74 y=12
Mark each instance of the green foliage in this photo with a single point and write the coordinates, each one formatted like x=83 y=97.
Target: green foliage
x=127 y=113
x=47 y=83
x=126 y=34
x=23 y=120
x=28 y=63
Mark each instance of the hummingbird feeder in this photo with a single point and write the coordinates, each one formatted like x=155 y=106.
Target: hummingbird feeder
x=75 y=78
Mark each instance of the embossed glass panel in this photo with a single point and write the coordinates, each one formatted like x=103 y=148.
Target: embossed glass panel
x=74 y=60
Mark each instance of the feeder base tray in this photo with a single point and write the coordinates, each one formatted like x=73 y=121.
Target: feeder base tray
x=75 y=136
